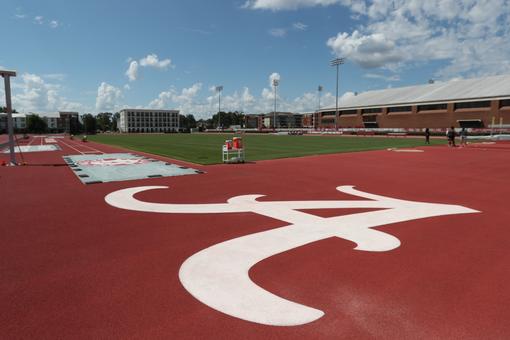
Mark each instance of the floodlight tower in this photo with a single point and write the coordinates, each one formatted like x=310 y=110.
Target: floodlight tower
x=8 y=108
x=319 y=90
x=219 y=89
x=337 y=62
x=276 y=82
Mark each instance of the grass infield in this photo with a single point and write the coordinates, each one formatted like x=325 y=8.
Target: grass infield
x=206 y=148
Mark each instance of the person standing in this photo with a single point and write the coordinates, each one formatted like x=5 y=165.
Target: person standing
x=463 y=137
x=451 y=137
x=427 y=136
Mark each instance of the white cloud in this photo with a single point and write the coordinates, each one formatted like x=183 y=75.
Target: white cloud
x=278 y=5
x=300 y=26
x=39 y=20
x=470 y=36
x=278 y=32
x=127 y=87
x=282 y=32
x=55 y=76
x=20 y=16
x=132 y=71
x=188 y=101
x=394 y=77
x=33 y=93
x=369 y=51
x=54 y=24
x=108 y=97
x=151 y=60
x=184 y=100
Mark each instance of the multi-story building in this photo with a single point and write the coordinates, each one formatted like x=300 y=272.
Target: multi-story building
x=284 y=120
x=55 y=122
x=52 y=122
x=19 y=121
x=148 y=120
x=461 y=103
x=69 y=121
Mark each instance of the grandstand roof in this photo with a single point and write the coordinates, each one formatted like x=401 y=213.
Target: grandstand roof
x=454 y=90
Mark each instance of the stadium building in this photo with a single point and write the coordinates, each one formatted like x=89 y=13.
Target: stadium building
x=148 y=120
x=473 y=103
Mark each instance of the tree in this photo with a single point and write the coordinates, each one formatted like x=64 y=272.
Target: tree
x=89 y=123
x=187 y=122
x=228 y=119
x=115 y=121
x=35 y=124
x=104 y=121
x=3 y=109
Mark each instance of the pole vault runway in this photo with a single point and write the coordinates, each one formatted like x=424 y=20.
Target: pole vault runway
x=381 y=244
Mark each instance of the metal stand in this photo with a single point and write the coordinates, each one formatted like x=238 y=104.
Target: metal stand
x=232 y=155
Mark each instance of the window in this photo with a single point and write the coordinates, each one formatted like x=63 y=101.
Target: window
x=329 y=113
x=349 y=112
x=370 y=119
x=504 y=102
x=473 y=105
x=431 y=107
x=400 y=109
x=372 y=110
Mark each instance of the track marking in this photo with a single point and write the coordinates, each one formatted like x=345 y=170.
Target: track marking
x=32 y=140
x=405 y=150
x=88 y=147
x=218 y=276
x=61 y=141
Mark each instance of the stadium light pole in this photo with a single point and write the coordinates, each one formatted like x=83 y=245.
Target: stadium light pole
x=337 y=62
x=219 y=89
x=8 y=108
x=276 y=82
x=319 y=90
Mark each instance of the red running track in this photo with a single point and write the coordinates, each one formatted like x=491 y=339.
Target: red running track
x=74 y=267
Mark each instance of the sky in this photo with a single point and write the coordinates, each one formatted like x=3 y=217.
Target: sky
x=96 y=56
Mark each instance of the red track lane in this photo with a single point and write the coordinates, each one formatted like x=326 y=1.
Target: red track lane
x=74 y=267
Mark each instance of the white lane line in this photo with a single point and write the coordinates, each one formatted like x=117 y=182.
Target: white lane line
x=71 y=147
x=86 y=146
x=32 y=140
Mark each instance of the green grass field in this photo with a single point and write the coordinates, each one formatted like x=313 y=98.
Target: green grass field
x=206 y=148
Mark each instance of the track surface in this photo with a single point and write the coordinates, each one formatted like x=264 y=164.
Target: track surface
x=75 y=267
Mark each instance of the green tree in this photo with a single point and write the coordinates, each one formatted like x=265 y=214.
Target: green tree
x=187 y=122
x=3 y=109
x=115 y=121
x=89 y=123
x=228 y=119
x=104 y=121
x=36 y=124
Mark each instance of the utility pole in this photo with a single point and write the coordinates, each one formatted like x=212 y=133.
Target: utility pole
x=276 y=82
x=337 y=62
x=319 y=90
x=219 y=89
x=8 y=107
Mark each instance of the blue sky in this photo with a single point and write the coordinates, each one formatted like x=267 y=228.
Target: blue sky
x=94 y=56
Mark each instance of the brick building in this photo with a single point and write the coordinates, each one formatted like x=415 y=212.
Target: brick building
x=469 y=103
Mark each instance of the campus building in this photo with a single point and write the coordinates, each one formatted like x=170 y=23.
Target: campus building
x=284 y=120
x=461 y=103
x=56 y=122
x=148 y=120
x=68 y=121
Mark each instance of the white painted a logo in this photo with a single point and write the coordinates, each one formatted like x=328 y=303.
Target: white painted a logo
x=218 y=276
